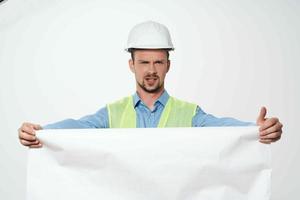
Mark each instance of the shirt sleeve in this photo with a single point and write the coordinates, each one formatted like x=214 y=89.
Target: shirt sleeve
x=96 y=120
x=202 y=119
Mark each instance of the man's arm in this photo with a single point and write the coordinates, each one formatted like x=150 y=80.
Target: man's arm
x=270 y=129
x=202 y=119
x=27 y=135
x=96 y=120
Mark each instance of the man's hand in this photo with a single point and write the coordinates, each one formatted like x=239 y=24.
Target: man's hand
x=27 y=135
x=270 y=129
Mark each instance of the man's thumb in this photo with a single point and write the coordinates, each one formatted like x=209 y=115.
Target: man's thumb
x=37 y=127
x=262 y=115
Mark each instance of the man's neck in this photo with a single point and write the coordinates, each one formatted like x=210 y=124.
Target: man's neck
x=149 y=98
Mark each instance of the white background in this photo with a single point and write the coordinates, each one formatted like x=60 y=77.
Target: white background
x=65 y=59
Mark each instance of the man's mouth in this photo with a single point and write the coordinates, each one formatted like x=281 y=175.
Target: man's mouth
x=151 y=80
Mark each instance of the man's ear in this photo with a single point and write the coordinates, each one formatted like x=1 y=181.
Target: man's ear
x=168 y=65
x=131 y=65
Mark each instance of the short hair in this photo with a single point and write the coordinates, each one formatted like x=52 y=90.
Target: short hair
x=132 y=50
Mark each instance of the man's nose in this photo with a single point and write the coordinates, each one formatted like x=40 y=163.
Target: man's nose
x=152 y=67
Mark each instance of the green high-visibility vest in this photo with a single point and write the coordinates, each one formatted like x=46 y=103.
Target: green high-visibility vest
x=176 y=113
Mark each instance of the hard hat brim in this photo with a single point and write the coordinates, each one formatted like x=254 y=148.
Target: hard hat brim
x=130 y=49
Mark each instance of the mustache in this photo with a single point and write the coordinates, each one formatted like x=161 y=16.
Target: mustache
x=151 y=76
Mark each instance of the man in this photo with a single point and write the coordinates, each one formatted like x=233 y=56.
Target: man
x=151 y=106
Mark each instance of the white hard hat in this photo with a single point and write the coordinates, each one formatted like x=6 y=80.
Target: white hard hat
x=149 y=35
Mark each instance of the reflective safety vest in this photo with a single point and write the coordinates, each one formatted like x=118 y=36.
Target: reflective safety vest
x=176 y=113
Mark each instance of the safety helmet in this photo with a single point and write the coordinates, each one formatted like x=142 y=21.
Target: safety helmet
x=149 y=35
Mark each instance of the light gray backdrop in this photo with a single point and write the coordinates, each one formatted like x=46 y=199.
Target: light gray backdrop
x=65 y=59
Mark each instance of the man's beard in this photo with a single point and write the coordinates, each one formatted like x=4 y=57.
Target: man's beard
x=150 y=90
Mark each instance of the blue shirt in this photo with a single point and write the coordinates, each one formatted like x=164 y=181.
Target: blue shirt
x=145 y=117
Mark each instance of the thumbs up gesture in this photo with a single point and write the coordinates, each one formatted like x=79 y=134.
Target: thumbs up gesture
x=270 y=129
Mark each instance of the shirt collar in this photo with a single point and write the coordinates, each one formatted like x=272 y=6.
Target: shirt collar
x=162 y=99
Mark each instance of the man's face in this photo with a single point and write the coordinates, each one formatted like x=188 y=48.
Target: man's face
x=150 y=68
